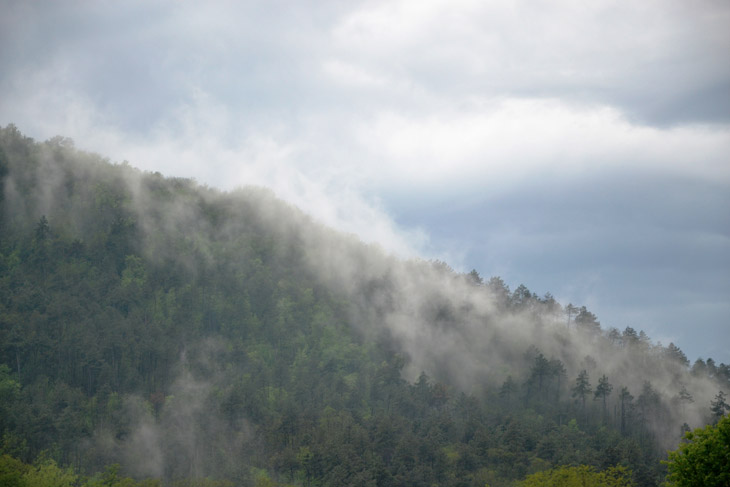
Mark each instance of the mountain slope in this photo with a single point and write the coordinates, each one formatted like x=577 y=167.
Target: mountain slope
x=188 y=333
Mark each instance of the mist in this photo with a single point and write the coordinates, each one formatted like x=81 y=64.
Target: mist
x=471 y=334
x=256 y=234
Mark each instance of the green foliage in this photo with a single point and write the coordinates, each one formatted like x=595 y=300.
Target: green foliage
x=703 y=458
x=580 y=476
x=49 y=474
x=12 y=472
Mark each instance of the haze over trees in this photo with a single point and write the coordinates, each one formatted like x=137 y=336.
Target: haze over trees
x=194 y=336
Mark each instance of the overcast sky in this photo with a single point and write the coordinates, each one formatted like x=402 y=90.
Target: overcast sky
x=581 y=148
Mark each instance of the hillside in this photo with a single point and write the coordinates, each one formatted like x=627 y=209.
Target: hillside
x=186 y=334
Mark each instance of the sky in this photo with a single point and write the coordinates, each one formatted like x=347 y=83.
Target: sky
x=578 y=148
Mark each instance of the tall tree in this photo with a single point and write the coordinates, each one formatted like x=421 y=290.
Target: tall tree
x=711 y=367
x=629 y=337
x=539 y=371
x=474 y=278
x=614 y=336
x=603 y=390
x=570 y=311
x=522 y=297
x=684 y=398
x=644 y=340
x=675 y=354
x=509 y=387
x=699 y=368
x=500 y=290
x=557 y=370
x=626 y=398
x=719 y=406
x=648 y=403
x=587 y=321
x=582 y=388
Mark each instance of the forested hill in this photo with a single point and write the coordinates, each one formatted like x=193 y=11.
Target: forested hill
x=195 y=337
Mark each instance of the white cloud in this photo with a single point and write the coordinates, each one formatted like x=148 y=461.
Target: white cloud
x=353 y=75
x=514 y=139
x=640 y=56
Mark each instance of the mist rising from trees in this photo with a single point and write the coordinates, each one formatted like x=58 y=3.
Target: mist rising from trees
x=193 y=322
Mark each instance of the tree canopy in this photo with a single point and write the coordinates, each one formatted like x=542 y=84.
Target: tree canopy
x=703 y=458
x=580 y=476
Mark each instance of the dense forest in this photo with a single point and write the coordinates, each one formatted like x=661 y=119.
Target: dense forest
x=154 y=331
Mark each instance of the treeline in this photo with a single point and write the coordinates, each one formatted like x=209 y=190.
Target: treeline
x=201 y=338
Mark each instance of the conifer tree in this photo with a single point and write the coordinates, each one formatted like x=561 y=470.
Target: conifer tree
x=582 y=388
x=603 y=390
x=626 y=398
x=684 y=398
x=719 y=406
x=558 y=371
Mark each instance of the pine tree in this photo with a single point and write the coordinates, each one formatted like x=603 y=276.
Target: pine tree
x=557 y=369
x=625 y=397
x=719 y=406
x=508 y=388
x=684 y=398
x=582 y=388
x=603 y=390
x=540 y=370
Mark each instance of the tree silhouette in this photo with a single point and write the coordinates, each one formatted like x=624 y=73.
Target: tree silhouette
x=587 y=320
x=603 y=390
x=626 y=398
x=557 y=370
x=539 y=371
x=508 y=388
x=718 y=406
x=684 y=398
x=570 y=310
x=582 y=388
